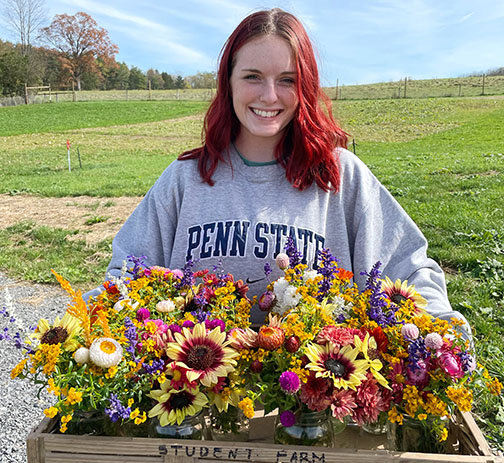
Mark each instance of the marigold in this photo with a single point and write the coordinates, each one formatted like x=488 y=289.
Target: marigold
x=17 y=370
x=51 y=412
x=394 y=416
x=494 y=386
x=74 y=396
x=247 y=406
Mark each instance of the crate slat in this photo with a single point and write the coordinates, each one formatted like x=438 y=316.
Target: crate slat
x=46 y=447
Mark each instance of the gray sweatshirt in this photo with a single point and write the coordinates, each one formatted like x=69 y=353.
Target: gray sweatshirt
x=244 y=220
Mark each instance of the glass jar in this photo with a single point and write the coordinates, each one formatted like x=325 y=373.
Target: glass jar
x=230 y=425
x=414 y=436
x=192 y=427
x=310 y=428
x=339 y=426
x=377 y=427
x=87 y=423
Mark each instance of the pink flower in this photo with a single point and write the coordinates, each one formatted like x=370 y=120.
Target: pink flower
x=178 y=273
x=142 y=314
x=282 y=260
x=450 y=364
x=367 y=393
x=417 y=375
x=289 y=382
x=410 y=331
x=343 y=402
x=316 y=393
x=338 y=336
x=433 y=341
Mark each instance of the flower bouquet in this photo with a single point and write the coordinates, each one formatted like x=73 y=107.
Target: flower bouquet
x=153 y=347
x=331 y=349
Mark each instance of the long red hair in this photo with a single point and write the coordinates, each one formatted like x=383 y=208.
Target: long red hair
x=306 y=150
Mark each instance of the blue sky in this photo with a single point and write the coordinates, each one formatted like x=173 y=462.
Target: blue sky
x=357 y=41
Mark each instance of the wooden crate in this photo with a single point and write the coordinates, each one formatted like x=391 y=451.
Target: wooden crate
x=353 y=445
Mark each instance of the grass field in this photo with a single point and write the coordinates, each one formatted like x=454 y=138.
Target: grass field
x=443 y=159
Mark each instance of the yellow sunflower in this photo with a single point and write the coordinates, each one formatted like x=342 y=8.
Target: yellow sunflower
x=205 y=355
x=400 y=292
x=340 y=365
x=64 y=332
x=174 y=405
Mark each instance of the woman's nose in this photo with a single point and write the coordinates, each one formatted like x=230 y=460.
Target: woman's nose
x=269 y=92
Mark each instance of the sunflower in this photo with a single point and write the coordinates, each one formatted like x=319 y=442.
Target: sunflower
x=340 y=365
x=174 y=405
x=64 y=332
x=204 y=355
x=400 y=292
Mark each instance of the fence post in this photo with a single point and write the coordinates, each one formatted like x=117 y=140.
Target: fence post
x=483 y=90
x=460 y=89
x=405 y=82
x=150 y=93
x=26 y=92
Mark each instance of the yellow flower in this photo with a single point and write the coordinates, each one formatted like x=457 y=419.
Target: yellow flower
x=51 y=387
x=443 y=435
x=51 y=412
x=141 y=418
x=18 y=369
x=394 y=416
x=134 y=413
x=74 y=396
x=247 y=406
x=462 y=397
x=64 y=332
x=111 y=372
x=494 y=386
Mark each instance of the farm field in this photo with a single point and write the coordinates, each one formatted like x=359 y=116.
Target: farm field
x=442 y=158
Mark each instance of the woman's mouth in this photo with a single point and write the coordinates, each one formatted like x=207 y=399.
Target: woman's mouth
x=263 y=113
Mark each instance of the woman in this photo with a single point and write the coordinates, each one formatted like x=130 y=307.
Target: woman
x=273 y=165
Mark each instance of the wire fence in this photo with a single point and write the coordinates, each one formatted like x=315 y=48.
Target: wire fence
x=406 y=88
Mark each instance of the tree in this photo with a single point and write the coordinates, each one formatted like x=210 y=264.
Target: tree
x=155 y=79
x=202 y=80
x=137 y=79
x=169 y=83
x=12 y=72
x=24 y=18
x=179 y=82
x=118 y=78
x=80 y=42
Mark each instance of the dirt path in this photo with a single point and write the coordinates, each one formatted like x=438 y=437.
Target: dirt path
x=96 y=219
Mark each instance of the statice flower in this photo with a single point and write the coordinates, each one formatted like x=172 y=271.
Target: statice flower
x=156 y=366
x=117 y=411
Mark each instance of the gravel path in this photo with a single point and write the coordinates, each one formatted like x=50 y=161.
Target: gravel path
x=20 y=408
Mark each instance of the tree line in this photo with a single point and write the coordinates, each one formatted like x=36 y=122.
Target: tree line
x=76 y=54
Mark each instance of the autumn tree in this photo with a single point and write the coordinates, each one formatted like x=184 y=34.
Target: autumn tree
x=80 y=43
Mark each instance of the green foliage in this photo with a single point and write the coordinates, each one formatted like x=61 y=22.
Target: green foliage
x=137 y=78
x=29 y=252
x=13 y=69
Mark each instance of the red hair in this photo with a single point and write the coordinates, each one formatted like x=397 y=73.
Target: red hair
x=306 y=150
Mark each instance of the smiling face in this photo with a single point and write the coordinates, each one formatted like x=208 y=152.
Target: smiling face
x=263 y=88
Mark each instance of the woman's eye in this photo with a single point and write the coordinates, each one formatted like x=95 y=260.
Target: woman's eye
x=288 y=80
x=252 y=77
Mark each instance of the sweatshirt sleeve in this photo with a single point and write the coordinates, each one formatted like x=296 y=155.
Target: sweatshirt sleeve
x=384 y=232
x=150 y=229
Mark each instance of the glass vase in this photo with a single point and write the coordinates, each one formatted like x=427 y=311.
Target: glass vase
x=192 y=427
x=310 y=428
x=377 y=427
x=87 y=423
x=414 y=436
x=338 y=426
x=230 y=425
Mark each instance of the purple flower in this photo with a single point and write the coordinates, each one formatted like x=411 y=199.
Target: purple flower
x=295 y=256
x=188 y=275
x=287 y=418
x=468 y=362
x=267 y=269
x=142 y=314
x=289 y=382
x=175 y=328
x=138 y=265
x=188 y=324
x=117 y=411
x=131 y=335
x=211 y=324
x=328 y=270
x=157 y=366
